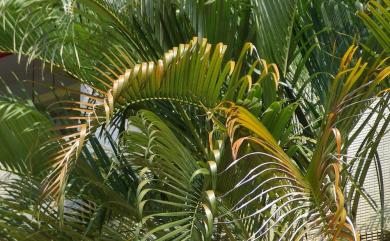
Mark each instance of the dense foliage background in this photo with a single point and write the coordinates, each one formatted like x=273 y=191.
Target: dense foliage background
x=194 y=120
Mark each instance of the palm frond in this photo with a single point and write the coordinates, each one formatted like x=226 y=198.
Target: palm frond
x=274 y=21
x=23 y=131
x=376 y=19
x=171 y=198
x=190 y=74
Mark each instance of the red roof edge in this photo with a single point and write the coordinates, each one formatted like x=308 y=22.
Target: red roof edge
x=3 y=54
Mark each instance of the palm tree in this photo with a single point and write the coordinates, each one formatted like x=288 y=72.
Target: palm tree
x=221 y=119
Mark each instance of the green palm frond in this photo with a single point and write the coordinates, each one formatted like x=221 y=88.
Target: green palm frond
x=23 y=131
x=206 y=76
x=274 y=21
x=377 y=18
x=170 y=193
x=185 y=130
